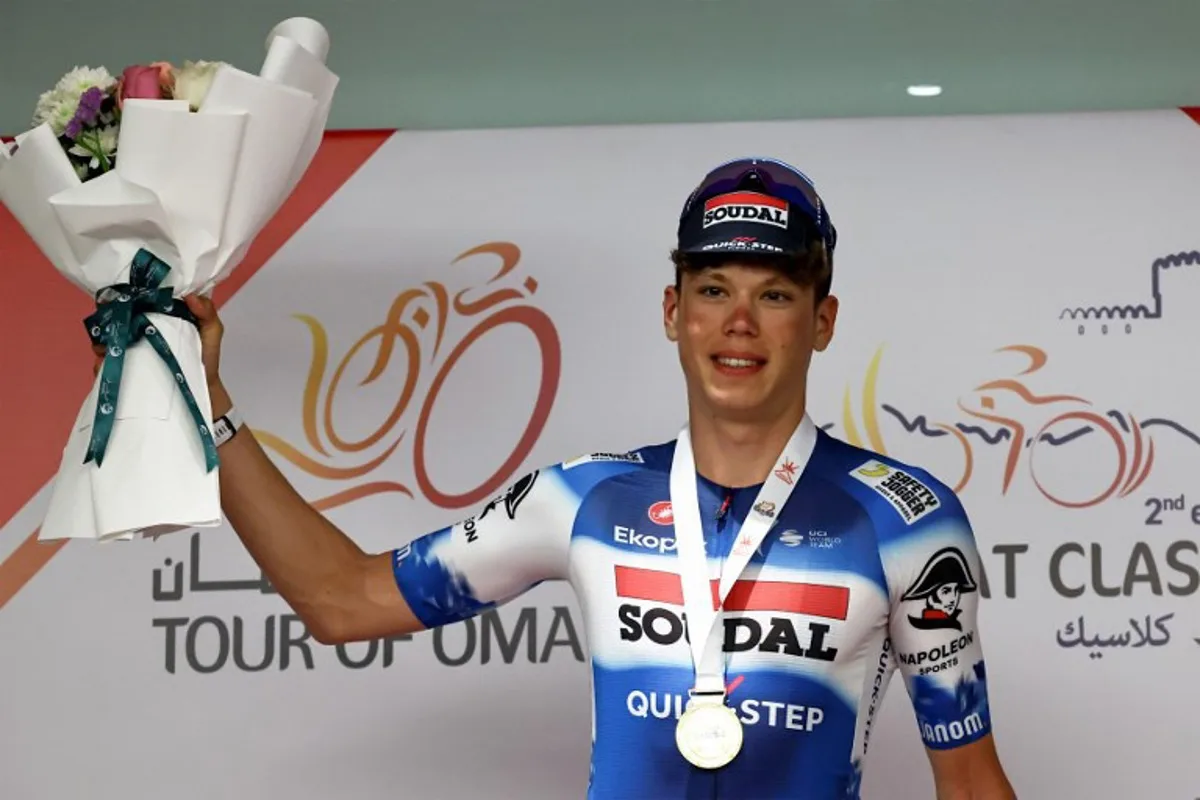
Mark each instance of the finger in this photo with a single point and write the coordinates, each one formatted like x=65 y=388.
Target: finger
x=203 y=307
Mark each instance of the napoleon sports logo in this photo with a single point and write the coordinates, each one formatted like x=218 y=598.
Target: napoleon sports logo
x=746 y=207
x=939 y=587
x=1037 y=422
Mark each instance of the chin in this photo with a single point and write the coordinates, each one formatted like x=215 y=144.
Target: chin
x=755 y=401
x=737 y=404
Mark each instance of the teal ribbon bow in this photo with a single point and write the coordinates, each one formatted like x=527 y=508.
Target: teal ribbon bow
x=119 y=322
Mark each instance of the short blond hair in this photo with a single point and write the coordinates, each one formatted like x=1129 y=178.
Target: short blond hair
x=813 y=268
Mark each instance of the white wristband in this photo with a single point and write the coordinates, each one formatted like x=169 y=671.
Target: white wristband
x=225 y=427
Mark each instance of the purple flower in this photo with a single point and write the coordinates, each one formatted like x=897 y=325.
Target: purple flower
x=91 y=100
x=86 y=112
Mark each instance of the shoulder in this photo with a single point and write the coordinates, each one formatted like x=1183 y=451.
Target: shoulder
x=555 y=493
x=902 y=499
x=922 y=533
x=583 y=473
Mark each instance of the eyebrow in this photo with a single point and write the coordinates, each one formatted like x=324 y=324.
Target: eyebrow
x=772 y=282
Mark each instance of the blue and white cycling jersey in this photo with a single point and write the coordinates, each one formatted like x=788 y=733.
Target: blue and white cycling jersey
x=869 y=567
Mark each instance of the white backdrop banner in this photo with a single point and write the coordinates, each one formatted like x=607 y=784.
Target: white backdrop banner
x=1017 y=297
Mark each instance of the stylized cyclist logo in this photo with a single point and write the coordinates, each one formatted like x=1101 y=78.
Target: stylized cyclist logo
x=414 y=311
x=1132 y=446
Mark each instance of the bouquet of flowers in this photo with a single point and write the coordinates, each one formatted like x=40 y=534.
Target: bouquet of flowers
x=141 y=189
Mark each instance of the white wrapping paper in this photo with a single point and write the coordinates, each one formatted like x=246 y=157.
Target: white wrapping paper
x=195 y=189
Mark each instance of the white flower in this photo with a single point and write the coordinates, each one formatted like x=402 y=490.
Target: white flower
x=56 y=108
x=193 y=80
x=108 y=139
x=58 y=105
x=103 y=140
x=80 y=79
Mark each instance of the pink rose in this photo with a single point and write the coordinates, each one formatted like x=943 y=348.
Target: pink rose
x=151 y=82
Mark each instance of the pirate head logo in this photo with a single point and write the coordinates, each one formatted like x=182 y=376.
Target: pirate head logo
x=942 y=582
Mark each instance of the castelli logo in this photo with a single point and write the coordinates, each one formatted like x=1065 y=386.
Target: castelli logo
x=661 y=514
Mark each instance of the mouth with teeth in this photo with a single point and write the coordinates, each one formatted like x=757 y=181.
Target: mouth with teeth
x=738 y=364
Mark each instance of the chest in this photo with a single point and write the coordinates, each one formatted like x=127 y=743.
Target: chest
x=810 y=597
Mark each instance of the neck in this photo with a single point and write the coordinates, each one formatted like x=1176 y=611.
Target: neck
x=736 y=453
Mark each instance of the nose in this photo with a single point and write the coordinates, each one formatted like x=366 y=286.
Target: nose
x=742 y=319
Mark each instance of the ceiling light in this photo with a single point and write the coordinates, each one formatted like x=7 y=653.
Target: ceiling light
x=924 y=90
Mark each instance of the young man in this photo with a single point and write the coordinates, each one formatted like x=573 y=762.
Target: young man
x=747 y=590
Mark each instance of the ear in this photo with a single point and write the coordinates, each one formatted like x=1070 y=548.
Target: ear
x=825 y=321
x=671 y=312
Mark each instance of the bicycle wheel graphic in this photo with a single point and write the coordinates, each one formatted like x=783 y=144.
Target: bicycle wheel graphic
x=550 y=350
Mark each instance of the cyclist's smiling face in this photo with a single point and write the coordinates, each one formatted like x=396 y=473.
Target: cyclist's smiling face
x=746 y=336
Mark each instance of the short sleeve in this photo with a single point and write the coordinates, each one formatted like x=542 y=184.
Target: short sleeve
x=516 y=541
x=933 y=571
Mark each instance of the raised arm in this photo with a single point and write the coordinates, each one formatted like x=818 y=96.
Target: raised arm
x=342 y=593
x=345 y=594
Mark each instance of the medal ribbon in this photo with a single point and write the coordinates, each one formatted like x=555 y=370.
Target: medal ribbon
x=702 y=599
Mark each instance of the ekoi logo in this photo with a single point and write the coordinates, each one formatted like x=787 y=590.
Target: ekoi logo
x=416 y=320
x=1060 y=421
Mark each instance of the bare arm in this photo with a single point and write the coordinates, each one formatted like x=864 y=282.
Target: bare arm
x=344 y=594
x=341 y=593
x=971 y=772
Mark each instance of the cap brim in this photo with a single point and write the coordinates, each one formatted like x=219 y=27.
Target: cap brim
x=732 y=241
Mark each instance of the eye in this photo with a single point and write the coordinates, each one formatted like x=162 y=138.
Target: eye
x=711 y=290
x=777 y=296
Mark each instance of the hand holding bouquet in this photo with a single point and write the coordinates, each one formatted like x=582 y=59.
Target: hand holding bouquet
x=143 y=188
